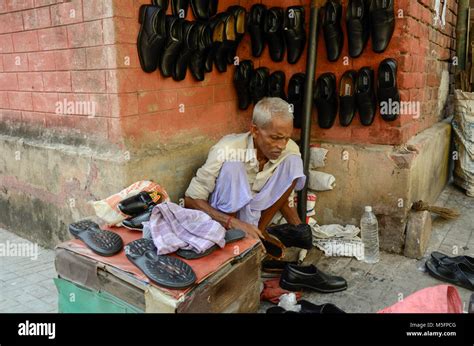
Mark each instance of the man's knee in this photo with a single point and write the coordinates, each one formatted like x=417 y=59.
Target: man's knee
x=231 y=170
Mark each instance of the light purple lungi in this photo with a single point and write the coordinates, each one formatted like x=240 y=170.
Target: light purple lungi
x=232 y=193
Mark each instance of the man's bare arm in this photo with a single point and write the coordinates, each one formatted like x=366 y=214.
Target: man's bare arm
x=290 y=214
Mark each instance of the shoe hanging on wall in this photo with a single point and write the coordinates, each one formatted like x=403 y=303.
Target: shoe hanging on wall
x=333 y=36
x=358 y=26
x=347 y=97
x=276 y=85
x=179 y=8
x=387 y=90
x=295 y=33
x=204 y=9
x=189 y=47
x=151 y=37
x=296 y=87
x=273 y=31
x=242 y=76
x=255 y=28
x=325 y=99
x=163 y=4
x=365 y=95
x=382 y=21
x=198 y=60
x=259 y=84
x=172 y=46
x=240 y=16
x=226 y=38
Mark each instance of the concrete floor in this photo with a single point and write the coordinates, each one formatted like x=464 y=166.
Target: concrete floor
x=26 y=284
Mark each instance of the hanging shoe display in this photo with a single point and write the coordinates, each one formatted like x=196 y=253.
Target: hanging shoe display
x=296 y=87
x=240 y=16
x=151 y=37
x=331 y=23
x=387 y=90
x=365 y=95
x=295 y=33
x=198 y=60
x=259 y=84
x=276 y=85
x=382 y=21
x=325 y=99
x=347 y=98
x=273 y=31
x=172 y=48
x=358 y=26
x=180 y=8
x=242 y=76
x=189 y=47
x=255 y=28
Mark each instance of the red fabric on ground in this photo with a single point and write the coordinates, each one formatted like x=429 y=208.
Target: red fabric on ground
x=272 y=291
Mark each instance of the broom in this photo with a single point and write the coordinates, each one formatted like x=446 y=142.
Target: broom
x=445 y=213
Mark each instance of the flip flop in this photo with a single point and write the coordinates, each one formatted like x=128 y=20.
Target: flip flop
x=231 y=236
x=166 y=271
x=456 y=273
x=445 y=259
x=102 y=242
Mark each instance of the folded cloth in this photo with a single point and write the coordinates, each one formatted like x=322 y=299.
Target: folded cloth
x=334 y=231
x=317 y=157
x=173 y=227
x=272 y=291
x=320 y=181
x=440 y=299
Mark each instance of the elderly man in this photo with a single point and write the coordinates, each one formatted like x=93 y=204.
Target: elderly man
x=248 y=177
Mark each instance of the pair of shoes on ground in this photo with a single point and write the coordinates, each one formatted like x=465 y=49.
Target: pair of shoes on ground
x=308 y=308
x=457 y=270
x=138 y=209
x=278 y=238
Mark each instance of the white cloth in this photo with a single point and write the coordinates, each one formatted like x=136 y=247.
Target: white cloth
x=320 y=181
x=317 y=157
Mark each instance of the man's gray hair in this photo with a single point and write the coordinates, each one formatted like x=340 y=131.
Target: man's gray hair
x=268 y=108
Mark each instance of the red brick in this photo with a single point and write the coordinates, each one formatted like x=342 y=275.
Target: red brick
x=6 y=44
x=125 y=56
x=101 y=104
x=25 y=41
x=66 y=13
x=20 y=100
x=41 y=61
x=45 y=102
x=85 y=34
x=18 y=5
x=4 y=100
x=100 y=57
x=52 y=38
x=8 y=81
x=70 y=59
x=120 y=30
x=196 y=96
x=150 y=102
x=15 y=62
x=124 y=9
x=94 y=9
x=123 y=80
x=11 y=22
x=57 y=81
x=1 y=65
x=31 y=81
x=122 y=105
x=33 y=118
x=224 y=94
x=88 y=81
x=37 y=18
x=74 y=99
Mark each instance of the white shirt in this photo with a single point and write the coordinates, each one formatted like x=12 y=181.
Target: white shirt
x=235 y=147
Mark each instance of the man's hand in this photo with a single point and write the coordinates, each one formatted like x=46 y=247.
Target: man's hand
x=251 y=230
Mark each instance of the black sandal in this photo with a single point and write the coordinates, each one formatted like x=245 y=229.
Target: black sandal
x=456 y=273
x=102 y=242
x=445 y=259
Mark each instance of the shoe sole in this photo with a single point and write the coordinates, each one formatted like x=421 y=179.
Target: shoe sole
x=298 y=287
x=133 y=229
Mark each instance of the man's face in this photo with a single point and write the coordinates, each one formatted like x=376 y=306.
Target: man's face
x=273 y=138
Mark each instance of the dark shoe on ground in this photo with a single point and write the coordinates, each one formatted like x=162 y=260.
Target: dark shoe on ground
x=242 y=76
x=455 y=273
x=163 y=4
x=325 y=99
x=240 y=16
x=382 y=21
x=180 y=8
x=295 y=33
x=296 y=88
x=365 y=95
x=276 y=85
x=255 y=28
x=204 y=9
x=102 y=242
x=137 y=204
x=293 y=236
x=151 y=37
x=358 y=26
x=273 y=30
x=296 y=278
x=259 y=84
x=387 y=92
x=347 y=98
x=135 y=223
x=310 y=308
x=445 y=259
x=172 y=48
x=333 y=35
x=189 y=47
x=198 y=61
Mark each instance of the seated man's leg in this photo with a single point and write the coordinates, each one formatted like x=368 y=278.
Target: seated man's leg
x=268 y=214
x=232 y=190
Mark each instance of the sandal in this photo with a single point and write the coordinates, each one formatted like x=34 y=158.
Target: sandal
x=104 y=243
x=445 y=259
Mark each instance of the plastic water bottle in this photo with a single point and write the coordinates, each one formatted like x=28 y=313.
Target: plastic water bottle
x=370 y=236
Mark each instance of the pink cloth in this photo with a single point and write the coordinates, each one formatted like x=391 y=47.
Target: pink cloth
x=439 y=299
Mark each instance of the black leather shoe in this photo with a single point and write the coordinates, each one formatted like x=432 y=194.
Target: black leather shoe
x=259 y=84
x=135 y=223
x=242 y=76
x=388 y=95
x=179 y=8
x=333 y=36
x=365 y=96
x=382 y=21
x=325 y=99
x=172 y=46
x=137 y=204
x=347 y=97
x=189 y=47
x=273 y=30
x=163 y=4
x=358 y=26
x=204 y=9
x=227 y=41
x=217 y=37
x=293 y=236
x=296 y=278
x=151 y=37
x=276 y=85
x=255 y=28
x=296 y=87
x=310 y=308
x=240 y=16
x=198 y=60
x=295 y=33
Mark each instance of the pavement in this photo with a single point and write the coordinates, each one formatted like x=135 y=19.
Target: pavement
x=26 y=282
